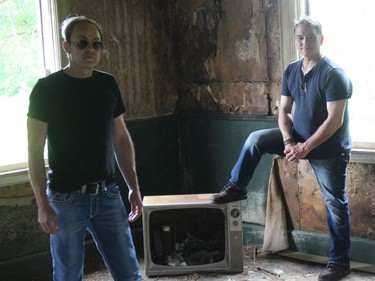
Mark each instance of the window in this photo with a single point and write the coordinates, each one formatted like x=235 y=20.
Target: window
x=28 y=51
x=348 y=42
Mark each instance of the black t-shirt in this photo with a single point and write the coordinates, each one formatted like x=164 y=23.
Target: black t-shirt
x=326 y=82
x=80 y=114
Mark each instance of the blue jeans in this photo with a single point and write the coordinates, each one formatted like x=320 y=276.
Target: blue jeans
x=105 y=217
x=331 y=176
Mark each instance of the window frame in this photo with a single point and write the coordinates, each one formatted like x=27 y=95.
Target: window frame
x=49 y=25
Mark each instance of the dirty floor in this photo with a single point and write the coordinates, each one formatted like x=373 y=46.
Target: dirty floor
x=281 y=267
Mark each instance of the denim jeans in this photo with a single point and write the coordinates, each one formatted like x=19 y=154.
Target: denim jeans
x=331 y=176
x=105 y=217
x=257 y=144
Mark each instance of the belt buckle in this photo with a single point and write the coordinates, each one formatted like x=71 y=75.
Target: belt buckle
x=84 y=189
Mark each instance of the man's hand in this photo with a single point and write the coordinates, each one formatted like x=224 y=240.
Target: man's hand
x=295 y=151
x=47 y=219
x=136 y=204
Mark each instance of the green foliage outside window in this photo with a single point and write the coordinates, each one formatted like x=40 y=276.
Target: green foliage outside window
x=21 y=65
x=20 y=47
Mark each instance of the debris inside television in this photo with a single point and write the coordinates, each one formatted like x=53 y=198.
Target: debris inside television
x=185 y=237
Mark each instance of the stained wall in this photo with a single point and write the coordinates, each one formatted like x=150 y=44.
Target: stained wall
x=228 y=57
x=190 y=56
x=138 y=40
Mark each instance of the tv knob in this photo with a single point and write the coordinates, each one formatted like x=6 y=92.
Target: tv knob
x=235 y=213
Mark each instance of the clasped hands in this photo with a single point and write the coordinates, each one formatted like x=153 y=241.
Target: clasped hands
x=295 y=151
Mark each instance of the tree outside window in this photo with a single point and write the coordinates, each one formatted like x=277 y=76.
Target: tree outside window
x=22 y=63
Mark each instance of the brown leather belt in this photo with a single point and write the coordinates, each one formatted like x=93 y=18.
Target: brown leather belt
x=93 y=188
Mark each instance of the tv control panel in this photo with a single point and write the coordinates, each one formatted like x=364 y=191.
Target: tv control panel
x=235 y=216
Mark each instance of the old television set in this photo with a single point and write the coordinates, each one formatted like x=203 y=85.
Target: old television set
x=187 y=233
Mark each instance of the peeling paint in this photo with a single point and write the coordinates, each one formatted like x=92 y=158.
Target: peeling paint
x=248 y=49
x=116 y=40
x=197 y=94
x=209 y=65
x=211 y=93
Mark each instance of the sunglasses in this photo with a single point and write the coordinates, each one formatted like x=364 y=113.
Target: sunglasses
x=84 y=44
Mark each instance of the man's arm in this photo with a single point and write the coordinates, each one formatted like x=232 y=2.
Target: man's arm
x=125 y=156
x=285 y=118
x=37 y=133
x=334 y=121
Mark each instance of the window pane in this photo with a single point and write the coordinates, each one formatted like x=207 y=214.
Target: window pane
x=21 y=64
x=348 y=41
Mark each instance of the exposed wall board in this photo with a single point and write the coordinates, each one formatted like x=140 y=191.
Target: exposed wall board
x=305 y=204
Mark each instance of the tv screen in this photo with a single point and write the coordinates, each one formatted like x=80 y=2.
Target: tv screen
x=186 y=233
x=187 y=236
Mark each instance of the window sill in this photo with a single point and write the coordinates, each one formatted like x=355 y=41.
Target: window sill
x=14 y=177
x=365 y=156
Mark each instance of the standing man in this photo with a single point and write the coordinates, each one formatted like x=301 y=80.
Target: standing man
x=80 y=111
x=318 y=131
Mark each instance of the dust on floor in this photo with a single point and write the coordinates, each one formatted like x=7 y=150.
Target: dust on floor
x=260 y=267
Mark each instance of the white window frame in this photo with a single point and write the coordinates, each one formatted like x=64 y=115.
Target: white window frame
x=49 y=25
